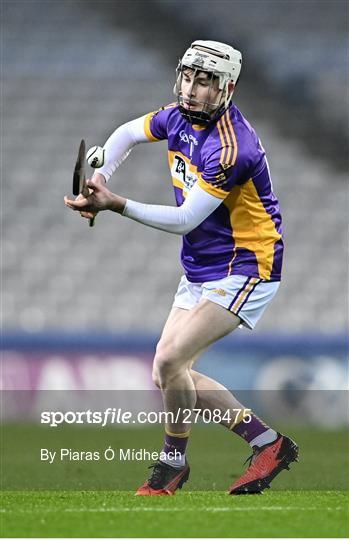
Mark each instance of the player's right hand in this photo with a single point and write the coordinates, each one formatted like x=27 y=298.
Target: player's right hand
x=86 y=215
x=98 y=199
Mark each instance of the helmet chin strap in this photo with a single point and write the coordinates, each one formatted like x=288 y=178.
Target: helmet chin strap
x=227 y=97
x=201 y=118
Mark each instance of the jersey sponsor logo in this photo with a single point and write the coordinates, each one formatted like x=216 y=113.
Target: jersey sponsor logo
x=189 y=139
x=181 y=172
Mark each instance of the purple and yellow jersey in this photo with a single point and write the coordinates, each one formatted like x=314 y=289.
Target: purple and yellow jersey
x=244 y=234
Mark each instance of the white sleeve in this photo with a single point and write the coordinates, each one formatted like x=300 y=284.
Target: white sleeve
x=178 y=220
x=120 y=144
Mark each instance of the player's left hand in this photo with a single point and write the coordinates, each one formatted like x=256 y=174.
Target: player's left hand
x=99 y=199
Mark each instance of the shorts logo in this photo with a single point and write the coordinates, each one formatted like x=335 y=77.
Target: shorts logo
x=221 y=292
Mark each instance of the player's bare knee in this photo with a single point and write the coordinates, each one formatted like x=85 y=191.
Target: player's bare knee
x=165 y=366
x=166 y=353
x=168 y=362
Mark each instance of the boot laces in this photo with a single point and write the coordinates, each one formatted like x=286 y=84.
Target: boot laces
x=249 y=460
x=158 y=476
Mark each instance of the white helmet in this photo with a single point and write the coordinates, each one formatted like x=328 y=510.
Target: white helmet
x=219 y=59
x=213 y=56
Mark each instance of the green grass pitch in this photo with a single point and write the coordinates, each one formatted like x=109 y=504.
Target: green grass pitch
x=97 y=499
x=186 y=514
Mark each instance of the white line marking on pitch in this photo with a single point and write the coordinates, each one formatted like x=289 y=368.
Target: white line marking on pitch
x=178 y=509
x=224 y=509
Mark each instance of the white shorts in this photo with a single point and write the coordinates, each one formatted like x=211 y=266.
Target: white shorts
x=246 y=297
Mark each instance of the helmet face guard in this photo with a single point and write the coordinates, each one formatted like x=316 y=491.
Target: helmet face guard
x=222 y=63
x=209 y=110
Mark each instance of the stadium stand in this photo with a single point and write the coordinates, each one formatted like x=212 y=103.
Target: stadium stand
x=63 y=81
x=298 y=63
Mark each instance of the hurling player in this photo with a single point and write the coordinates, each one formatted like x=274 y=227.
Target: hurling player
x=230 y=222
